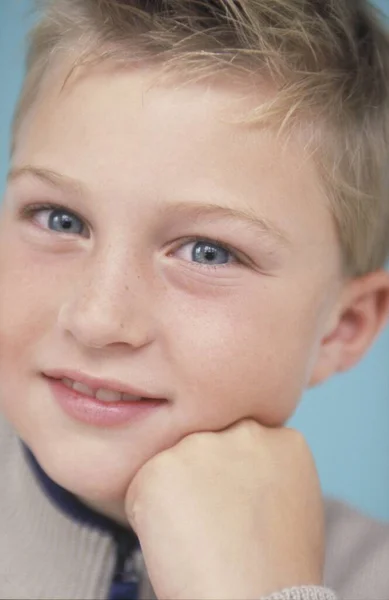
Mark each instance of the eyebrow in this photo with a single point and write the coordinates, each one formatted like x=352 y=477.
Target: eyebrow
x=195 y=209
x=47 y=176
x=259 y=224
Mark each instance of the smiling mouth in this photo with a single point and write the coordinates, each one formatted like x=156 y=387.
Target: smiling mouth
x=102 y=394
x=107 y=391
x=86 y=402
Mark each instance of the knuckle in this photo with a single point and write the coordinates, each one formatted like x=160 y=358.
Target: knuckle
x=249 y=431
x=300 y=450
x=162 y=462
x=195 y=442
x=155 y=471
x=297 y=440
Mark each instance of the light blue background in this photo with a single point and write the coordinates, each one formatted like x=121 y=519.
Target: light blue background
x=346 y=421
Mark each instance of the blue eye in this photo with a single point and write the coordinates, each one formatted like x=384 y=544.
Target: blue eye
x=65 y=222
x=55 y=218
x=206 y=253
x=210 y=254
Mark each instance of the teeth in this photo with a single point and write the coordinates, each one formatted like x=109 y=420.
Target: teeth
x=108 y=395
x=101 y=394
x=130 y=398
x=84 y=389
x=68 y=383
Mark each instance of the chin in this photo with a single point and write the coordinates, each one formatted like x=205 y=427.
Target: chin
x=97 y=479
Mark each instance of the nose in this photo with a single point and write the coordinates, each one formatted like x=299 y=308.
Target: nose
x=109 y=305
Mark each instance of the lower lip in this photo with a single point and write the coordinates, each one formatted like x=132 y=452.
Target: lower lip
x=101 y=414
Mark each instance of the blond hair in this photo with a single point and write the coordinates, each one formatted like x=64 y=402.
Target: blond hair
x=329 y=60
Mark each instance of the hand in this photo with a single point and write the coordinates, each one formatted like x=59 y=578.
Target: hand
x=233 y=514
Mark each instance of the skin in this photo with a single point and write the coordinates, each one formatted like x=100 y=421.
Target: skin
x=231 y=347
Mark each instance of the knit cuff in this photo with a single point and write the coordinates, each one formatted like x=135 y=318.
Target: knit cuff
x=303 y=593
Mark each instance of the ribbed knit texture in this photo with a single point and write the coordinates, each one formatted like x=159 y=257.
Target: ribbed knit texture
x=44 y=554
x=303 y=593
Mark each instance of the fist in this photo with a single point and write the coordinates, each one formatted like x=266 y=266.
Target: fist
x=232 y=514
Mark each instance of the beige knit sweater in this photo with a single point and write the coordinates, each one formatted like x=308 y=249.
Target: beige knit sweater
x=46 y=555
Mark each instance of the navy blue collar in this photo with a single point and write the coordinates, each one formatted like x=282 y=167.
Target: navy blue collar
x=74 y=508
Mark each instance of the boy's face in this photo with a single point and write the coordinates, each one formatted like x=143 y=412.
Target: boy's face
x=160 y=282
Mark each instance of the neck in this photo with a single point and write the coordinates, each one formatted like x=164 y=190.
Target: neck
x=112 y=509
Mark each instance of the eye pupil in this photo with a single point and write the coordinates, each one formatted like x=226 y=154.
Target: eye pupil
x=66 y=222
x=207 y=253
x=62 y=221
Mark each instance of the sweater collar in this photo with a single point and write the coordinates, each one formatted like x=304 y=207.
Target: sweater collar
x=69 y=504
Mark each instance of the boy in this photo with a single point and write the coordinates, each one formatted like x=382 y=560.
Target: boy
x=218 y=169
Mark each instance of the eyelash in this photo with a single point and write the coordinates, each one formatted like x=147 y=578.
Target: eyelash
x=237 y=261
x=28 y=212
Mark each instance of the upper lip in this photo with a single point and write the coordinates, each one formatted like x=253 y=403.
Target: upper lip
x=96 y=383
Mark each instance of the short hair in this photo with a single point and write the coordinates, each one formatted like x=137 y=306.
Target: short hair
x=328 y=60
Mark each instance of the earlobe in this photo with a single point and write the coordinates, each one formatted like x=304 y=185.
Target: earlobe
x=327 y=362
x=362 y=315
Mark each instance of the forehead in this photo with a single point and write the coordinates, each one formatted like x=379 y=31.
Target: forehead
x=125 y=133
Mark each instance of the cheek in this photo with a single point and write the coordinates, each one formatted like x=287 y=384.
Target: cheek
x=247 y=359
x=27 y=314
x=24 y=295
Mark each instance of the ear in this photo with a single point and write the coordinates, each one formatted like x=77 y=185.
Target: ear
x=360 y=316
